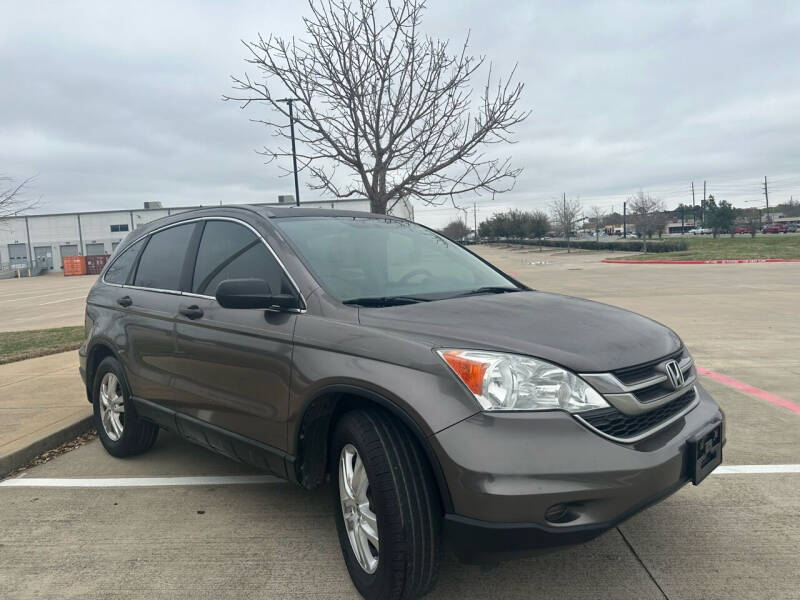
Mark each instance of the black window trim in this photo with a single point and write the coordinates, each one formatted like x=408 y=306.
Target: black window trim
x=191 y=256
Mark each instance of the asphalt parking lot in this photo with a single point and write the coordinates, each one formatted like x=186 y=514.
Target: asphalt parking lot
x=737 y=535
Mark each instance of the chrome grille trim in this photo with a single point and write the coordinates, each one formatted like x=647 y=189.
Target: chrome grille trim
x=607 y=383
x=642 y=396
x=649 y=432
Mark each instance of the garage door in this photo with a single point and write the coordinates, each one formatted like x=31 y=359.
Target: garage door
x=95 y=249
x=18 y=255
x=44 y=257
x=68 y=250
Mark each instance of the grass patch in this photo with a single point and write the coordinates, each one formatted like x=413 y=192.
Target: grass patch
x=19 y=345
x=708 y=248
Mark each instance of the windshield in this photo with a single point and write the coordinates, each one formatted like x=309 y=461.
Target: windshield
x=356 y=258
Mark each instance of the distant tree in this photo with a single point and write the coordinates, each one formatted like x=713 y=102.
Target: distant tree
x=539 y=224
x=646 y=213
x=566 y=214
x=455 y=230
x=12 y=201
x=597 y=215
x=381 y=109
x=790 y=208
x=719 y=217
x=515 y=224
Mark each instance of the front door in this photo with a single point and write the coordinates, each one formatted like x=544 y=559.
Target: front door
x=233 y=366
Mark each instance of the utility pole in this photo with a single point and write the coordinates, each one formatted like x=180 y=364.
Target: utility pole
x=703 y=206
x=294 y=151
x=682 y=222
x=766 y=194
x=694 y=214
x=475 y=218
x=624 y=220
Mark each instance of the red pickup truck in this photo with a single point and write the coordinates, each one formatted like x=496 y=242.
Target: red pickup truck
x=776 y=228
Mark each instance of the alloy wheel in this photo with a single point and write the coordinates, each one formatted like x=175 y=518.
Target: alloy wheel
x=112 y=407
x=359 y=518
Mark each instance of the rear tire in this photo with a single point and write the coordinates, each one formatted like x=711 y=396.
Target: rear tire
x=401 y=494
x=121 y=431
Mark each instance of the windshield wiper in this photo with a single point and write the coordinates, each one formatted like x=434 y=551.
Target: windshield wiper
x=489 y=289
x=377 y=301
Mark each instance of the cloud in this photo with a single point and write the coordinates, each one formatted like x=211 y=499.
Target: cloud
x=112 y=105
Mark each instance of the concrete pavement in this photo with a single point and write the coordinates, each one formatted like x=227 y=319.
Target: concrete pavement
x=45 y=301
x=42 y=405
x=734 y=536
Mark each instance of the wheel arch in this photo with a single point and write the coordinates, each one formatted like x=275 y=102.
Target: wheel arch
x=97 y=352
x=320 y=415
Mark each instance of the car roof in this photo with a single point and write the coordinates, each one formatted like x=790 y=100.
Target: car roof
x=232 y=210
x=278 y=212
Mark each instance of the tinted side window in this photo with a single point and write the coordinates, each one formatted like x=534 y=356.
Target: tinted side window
x=121 y=267
x=162 y=259
x=231 y=251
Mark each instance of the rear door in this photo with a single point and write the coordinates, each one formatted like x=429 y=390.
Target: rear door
x=233 y=366
x=150 y=302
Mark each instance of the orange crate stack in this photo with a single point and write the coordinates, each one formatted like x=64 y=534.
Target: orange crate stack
x=74 y=265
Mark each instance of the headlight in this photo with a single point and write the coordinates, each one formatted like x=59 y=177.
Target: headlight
x=503 y=381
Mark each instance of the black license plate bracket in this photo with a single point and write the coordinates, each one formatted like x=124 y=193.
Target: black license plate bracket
x=704 y=452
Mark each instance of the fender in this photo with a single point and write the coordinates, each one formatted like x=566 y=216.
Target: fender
x=390 y=406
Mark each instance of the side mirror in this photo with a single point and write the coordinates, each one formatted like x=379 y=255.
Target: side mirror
x=252 y=293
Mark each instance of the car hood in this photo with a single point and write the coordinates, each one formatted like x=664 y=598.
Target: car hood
x=579 y=334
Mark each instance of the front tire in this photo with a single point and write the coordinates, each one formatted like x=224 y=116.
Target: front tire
x=121 y=431
x=386 y=506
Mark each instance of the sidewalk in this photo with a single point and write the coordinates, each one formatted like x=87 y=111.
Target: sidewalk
x=42 y=405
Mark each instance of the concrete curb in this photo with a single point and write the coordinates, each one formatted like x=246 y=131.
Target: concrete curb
x=720 y=261
x=21 y=457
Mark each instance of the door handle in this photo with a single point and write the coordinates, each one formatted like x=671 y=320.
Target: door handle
x=125 y=301
x=191 y=312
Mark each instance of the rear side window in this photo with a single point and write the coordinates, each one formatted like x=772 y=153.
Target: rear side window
x=121 y=267
x=162 y=259
x=231 y=251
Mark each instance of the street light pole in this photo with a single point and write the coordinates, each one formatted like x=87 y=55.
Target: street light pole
x=294 y=151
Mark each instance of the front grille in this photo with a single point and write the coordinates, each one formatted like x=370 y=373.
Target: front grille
x=621 y=426
x=632 y=375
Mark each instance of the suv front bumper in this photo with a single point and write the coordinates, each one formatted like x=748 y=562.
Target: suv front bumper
x=505 y=470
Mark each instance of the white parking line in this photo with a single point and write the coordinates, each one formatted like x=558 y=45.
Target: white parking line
x=63 y=300
x=36 y=482
x=141 y=481
x=754 y=469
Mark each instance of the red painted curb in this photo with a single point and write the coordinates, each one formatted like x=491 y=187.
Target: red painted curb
x=720 y=261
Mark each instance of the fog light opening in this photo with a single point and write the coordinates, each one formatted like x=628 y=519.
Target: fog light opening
x=560 y=513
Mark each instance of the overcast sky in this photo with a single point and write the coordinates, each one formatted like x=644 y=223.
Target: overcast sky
x=110 y=104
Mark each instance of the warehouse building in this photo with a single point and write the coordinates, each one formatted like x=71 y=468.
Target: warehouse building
x=42 y=241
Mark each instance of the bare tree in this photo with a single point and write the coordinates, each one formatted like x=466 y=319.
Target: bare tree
x=455 y=230
x=566 y=213
x=597 y=215
x=647 y=214
x=11 y=199
x=389 y=106
x=753 y=221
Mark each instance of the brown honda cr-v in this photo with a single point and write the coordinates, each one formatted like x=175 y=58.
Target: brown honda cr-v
x=442 y=399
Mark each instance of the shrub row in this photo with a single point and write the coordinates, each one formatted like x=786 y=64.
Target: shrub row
x=621 y=246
